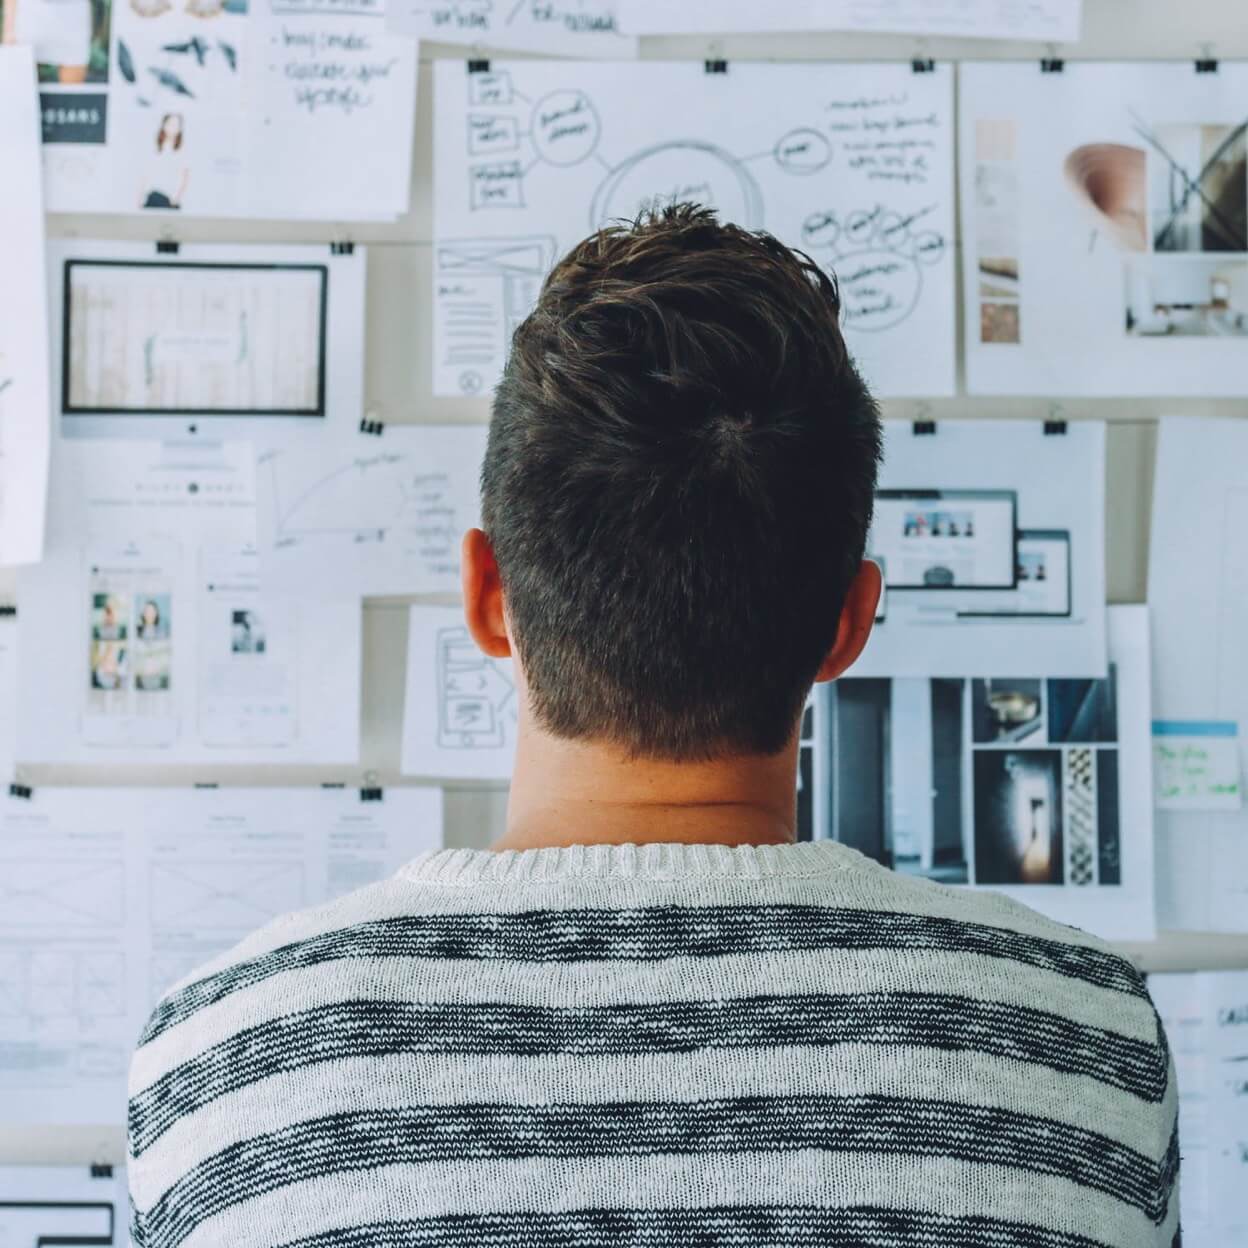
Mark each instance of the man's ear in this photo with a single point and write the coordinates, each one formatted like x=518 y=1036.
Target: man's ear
x=854 y=626
x=483 y=595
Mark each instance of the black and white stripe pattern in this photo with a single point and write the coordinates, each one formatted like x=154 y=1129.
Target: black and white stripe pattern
x=461 y=1074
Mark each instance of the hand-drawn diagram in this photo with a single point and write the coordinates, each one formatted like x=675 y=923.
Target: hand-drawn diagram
x=476 y=697
x=857 y=171
x=224 y=894
x=62 y=892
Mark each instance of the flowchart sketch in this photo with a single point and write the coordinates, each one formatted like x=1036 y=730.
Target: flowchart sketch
x=25 y=427
x=851 y=163
x=554 y=27
x=460 y=713
x=1050 y=20
x=1104 y=216
x=370 y=515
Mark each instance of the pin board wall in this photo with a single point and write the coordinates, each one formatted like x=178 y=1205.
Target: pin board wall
x=398 y=381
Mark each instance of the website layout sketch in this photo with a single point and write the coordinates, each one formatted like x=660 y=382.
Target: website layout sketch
x=370 y=516
x=552 y=27
x=1000 y=782
x=210 y=339
x=990 y=538
x=851 y=163
x=459 y=715
x=941 y=539
x=1133 y=198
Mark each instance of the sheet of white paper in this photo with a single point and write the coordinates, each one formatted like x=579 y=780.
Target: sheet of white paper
x=974 y=504
x=24 y=410
x=558 y=28
x=264 y=342
x=1198 y=591
x=1206 y=1021
x=365 y=515
x=292 y=108
x=851 y=163
x=108 y=897
x=965 y=19
x=459 y=716
x=1196 y=766
x=151 y=636
x=1105 y=237
x=1036 y=788
x=69 y=1205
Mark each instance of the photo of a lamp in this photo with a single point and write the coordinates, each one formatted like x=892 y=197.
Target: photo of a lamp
x=1110 y=179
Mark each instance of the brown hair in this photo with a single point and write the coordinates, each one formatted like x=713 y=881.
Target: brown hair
x=176 y=141
x=678 y=485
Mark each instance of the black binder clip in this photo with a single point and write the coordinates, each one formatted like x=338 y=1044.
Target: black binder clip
x=1052 y=65
x=923 y=428
x=342 y=249
x=24 y=791
x=372 y=795
x=374 y=428
x=166 y=247
x=715 y=66
x=923 y=65
x=101 y=1170
x=8 y=609
x=1054 y=428
x=478 y=65
x=1206 y=65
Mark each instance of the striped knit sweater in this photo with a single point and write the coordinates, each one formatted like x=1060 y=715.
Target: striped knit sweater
x=669 y=1044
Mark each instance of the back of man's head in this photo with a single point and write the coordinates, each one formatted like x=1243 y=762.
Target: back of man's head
x=678 y=487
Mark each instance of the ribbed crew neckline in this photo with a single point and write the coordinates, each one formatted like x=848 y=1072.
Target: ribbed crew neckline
x=664 y=860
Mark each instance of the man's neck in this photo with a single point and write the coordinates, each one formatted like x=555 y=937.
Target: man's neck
x=586 y=793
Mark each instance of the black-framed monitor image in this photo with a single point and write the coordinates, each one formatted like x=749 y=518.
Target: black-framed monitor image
x=946 y=539
x=205 y=340
x=1044 y=581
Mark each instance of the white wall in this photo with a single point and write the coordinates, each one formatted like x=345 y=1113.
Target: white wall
x=398 y=389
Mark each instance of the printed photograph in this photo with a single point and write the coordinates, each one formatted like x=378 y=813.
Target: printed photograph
x=938 y=524
x=1084 y=711
x=1186 y=297
x=153 y=617
x=1018 y=816
x=247 y=632
x=70 y=38
x=999 y=322
x=110 y=617
x=108 y=666
x=1006 y=711
x=1198 y=188
x=153 y=667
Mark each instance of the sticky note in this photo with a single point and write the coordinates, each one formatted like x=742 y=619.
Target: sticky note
x=1196 y=765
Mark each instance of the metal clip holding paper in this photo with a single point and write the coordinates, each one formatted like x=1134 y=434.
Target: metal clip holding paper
x=923 y=425
x=1055 y=425
x=715 y=66
x=478 y=65
x=343 y=247
x=374 y=428
x=923 y=65
x=371 y=791
x=22 y=791
x=1206 y=62
x=167 y=246
x=1052 y=64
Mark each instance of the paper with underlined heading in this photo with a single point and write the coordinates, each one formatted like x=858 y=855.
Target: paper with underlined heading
x=553 y=27
x=1049 y=20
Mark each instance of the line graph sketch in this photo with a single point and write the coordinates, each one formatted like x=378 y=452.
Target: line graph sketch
x=370 y=516
x=852 y=164
x=237 y=893
x=61 y=892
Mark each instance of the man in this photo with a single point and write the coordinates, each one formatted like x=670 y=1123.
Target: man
x=647 y=1016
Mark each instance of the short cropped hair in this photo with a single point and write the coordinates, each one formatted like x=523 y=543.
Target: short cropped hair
x=678 y=486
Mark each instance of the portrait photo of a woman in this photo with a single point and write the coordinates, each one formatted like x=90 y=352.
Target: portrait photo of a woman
x=168 y=174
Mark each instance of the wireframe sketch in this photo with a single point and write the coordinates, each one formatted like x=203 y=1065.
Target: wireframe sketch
x=223 y=894
x=855 y=170
x=476 y=697
x=195 y=338
x=62 y=893
x=47 y=983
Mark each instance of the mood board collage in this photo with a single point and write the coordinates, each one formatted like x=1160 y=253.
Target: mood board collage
x=198 y=499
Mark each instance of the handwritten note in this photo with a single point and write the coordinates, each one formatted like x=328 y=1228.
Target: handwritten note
x=337 y=94
x=1196 y=765
x=552 y=27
